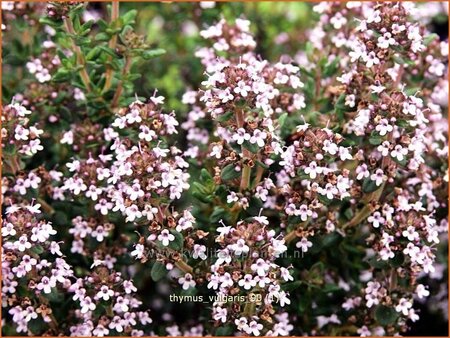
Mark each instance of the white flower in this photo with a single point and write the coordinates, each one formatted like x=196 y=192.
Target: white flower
x=199 y=251
x=93 y=192
x=226 y=280
x=421 y=291
x=241 y=136
x=364 y=331
x=87 y=305
x=105 y=293
x=330 y=147
x=159 y=152
x=254 y=328
x=403 y=306
x=376 y=219
x=258 y=137
x=240 y=247
x=304 y=244
x=312 y=170
x=329 y=191
x=383 y=148
x=378 y=177
x=116 y=324
x=46 y=284
x=103 y=206
x=374 y=16
x=399 y=152
x=411 y=233
x=384 y=127
x=247 y=282
x=242 y=88
x=285 y=274
x=396 y=28
x=132 y=213
x=362 y=171
x=20 y=133
x=99 y=233
x=166 y=237
x=220 y=314
x=304 y=212
x=134 y=192
x=187 y=281
x=241 y=324
x=283 y=298
x=122 y=304
x=377 y=89
x=278 y=246
x=386 y=253
x=260 y=267
x=22 y=243
x=8 y=230
x=225 y=95
x=133 y=116
x=67 y=138
x=214 y=282
x=138 y=251
x=371 y=59
x=386 y=40
x=216 y=151
x=146 y=133
x=344 y=154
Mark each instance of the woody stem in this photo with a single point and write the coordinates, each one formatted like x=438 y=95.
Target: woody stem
x=246 y=169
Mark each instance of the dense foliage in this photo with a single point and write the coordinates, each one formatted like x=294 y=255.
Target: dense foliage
x=224 y=169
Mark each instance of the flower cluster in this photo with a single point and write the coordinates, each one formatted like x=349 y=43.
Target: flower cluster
x=246 y=267
x=18 y=133
x=107 y=305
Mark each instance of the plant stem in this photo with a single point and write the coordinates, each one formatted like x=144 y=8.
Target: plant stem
x=293 y=233
x=246 y=169
x=119 y=88
x=112 y=45
x=80 y=57
x=45 y=206
x=183 y=266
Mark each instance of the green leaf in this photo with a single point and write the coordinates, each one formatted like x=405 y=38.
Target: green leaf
x=49 y=22
x=292 y=286
x=37 y=326
x=226 y=330
x=282 y=119
x=375 y=140
x=107 y=50
x=37 y=249
x=225 y=117
x=177 y=243
x=398 y=260
x=202 y=197
x=158 y=271
x=377 y=263
x=150 y=54
x=218 y=214
x=205 y=176
x=385 y=315
x=331 y=68
x=62 y=75
x=262 y=165
x=230 y=173
x=430 y=38
x=102 y=37
x=253 y=147
x=369 y=185
x=129 y=17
